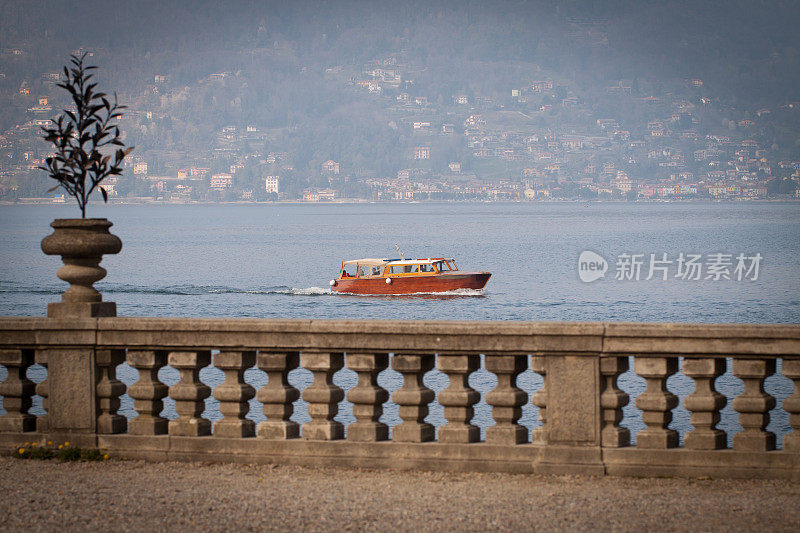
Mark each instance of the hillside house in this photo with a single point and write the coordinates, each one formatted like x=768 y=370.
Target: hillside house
x=570 y=101
x=221 y=181
x=271 y=184
x=327 y=195
x=330 y=167
x=541 y=86
x=474 y=121
x=422 y=152
x=623 y=185
x=198 y=172
x=607 y=124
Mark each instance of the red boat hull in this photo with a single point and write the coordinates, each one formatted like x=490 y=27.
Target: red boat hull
x=413 y=284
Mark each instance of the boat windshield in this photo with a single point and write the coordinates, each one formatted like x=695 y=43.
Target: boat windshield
x=368 y=270
x=441 y=266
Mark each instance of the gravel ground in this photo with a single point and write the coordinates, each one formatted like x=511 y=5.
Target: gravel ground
x=134 y=495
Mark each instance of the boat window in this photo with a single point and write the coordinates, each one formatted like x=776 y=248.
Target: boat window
x=452 y=264
x=363 y=271
x=409 y=269
x=441 y=266
x=426 y=268
x=349 y=271
x=396 y=269
x=376 y=271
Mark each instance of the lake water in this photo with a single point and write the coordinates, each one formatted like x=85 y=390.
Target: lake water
x=275 y=261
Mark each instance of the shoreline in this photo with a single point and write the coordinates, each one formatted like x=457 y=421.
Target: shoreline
x=353 y=201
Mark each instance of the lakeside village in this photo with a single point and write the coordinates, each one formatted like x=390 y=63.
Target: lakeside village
x=541 y=141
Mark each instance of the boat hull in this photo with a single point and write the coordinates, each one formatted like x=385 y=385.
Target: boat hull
x=412 y=284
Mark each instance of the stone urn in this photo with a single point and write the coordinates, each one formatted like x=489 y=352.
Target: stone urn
x=81 y=243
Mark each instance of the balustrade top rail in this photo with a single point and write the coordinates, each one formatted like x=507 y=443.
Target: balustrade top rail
x=444 y=337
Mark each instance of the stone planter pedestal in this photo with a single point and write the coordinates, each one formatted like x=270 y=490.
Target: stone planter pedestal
x=81 y=243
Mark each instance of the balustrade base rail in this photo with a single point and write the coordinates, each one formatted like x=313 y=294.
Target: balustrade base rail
x=475 y=457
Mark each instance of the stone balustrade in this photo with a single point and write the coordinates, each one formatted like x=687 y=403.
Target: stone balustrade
x=580 y=404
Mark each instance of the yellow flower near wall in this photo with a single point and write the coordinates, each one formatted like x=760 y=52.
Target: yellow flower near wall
x=21 y=451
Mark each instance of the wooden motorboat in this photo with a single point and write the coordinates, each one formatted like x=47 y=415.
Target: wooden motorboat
x=405 y=276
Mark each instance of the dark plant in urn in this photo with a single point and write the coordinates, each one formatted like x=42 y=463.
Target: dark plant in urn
x=87 y=150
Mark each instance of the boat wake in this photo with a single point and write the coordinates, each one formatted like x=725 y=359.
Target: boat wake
x=200 y=290
x=174 y=290
x=206 y=290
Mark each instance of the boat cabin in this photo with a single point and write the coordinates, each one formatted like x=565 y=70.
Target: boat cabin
x=385 y=268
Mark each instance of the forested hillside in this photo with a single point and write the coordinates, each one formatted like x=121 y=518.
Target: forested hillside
x=275 y=89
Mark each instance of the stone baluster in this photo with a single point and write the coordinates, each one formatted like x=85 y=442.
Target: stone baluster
x=17 y=391
x=278 y=396
x=43 y=390
x=506 y=400
x=413 y=398
x=612 y=400
x=539 y=399
x=109 y=389
x=234 y=394
x=189 y=394
x=367 y=397
x=704 y=404
x=148 y=393
x=656 y=402
x=753 y=405
x=791 y=369
x=458 y=398
x=323 y=396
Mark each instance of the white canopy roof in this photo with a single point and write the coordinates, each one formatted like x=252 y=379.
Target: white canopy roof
x=381 y=262
x=414 y=261
x=366 y=262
